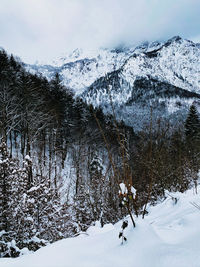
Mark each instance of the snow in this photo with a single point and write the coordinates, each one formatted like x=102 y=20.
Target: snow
x=38 y=240
x=30 y=219
x=123 y=188
x=31 y=200
x=133 y=190
x=177 y=62
x=167 y=237
x=27 y=157
x=34 y=188
x=174 y=103
x=81 y=68
x=2 y=233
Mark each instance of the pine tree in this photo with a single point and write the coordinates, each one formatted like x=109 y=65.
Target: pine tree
x=192 y=132
x=192 y=125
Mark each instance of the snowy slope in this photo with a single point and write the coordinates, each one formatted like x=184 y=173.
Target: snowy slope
x=176 y=62
x=167 y=237
x=80 y=69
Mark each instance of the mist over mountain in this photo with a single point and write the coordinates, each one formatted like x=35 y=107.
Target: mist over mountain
x=38 y=30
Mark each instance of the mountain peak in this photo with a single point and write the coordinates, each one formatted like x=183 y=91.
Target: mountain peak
x=175 y=39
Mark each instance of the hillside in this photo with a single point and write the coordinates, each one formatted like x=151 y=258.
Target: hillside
x=168 y=236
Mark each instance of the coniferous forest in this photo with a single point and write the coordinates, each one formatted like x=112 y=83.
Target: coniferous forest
x=61 y=161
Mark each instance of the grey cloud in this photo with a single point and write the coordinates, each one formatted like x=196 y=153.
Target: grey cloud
x=41 y=29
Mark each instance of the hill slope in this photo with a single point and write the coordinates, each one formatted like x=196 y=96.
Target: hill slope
x=168 y=236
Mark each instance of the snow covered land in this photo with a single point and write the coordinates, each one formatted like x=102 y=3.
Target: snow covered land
x=168 y=236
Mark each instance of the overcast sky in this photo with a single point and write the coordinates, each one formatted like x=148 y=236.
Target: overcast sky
x=44 y=29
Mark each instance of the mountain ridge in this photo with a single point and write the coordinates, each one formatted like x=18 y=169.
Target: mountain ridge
x=94 y=66
x=173 y=64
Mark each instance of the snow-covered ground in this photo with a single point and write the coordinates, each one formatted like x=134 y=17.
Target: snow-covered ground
x=169 y=236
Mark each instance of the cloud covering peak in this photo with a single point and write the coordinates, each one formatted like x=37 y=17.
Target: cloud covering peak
x=42 y=29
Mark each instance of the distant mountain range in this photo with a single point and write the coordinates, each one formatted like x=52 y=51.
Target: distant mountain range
x=164 y=75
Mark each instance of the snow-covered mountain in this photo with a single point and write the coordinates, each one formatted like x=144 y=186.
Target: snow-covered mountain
x=176 y=61
x=80 y=69
x=165 y=75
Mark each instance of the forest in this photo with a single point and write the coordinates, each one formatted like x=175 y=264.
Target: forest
x=62 y=161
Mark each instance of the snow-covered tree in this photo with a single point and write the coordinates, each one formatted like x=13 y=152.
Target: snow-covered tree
x=13 y=185
x=81 y=209
x=96 y=187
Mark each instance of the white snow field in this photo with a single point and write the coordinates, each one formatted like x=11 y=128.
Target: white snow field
x=168 y=237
